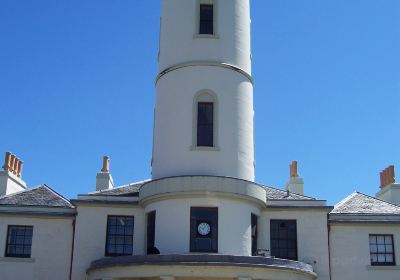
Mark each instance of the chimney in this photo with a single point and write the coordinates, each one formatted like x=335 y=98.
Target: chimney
x=390 y=190
x=10 y=176
x=104 y=181
x=295 y=184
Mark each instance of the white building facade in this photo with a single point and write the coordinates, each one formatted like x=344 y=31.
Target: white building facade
x=201 y=215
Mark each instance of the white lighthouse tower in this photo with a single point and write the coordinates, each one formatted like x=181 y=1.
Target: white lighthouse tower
x=204 y=106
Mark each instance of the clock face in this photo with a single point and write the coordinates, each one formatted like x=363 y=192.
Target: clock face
x=203 y=228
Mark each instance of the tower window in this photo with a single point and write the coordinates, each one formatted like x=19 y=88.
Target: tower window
x=204 y=229
x=254 y=234
x=151 y=233
x=206 y=19
x=205 y=124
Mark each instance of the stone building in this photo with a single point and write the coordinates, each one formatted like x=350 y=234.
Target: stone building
x=201 y=215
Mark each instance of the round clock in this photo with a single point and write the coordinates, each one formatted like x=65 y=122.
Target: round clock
x=203 y=228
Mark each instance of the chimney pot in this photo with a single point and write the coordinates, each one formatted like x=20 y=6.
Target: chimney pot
x=15 y=167
x=293 y=169
x=387 y=178
x=7 y=159
x=19 y=168
x=106 y=164
x=12 y=162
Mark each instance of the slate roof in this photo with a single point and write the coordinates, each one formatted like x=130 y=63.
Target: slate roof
x=362 y=204
x=277 y=194
x=126 y=190
x=132 y=189
x=39 y=196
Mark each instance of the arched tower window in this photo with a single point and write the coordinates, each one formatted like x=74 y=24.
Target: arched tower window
x=205 y=112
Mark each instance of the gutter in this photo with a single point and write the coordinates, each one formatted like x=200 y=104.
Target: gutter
x=72 y=248
x=329 y=249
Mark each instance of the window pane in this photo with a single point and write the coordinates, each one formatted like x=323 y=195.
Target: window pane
x=381 y=248
x=389 y=258
x=205 y=124
x=380 y=239
x=373 y=249
x=388 y=240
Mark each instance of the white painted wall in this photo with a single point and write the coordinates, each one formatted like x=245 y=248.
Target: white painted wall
x=173 y=128
x=173 y=224
x=350 y=255
x=51 y=249
x=91 y=230
x=312 y=236
x=179 y=27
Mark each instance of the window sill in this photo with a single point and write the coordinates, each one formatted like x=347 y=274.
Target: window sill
x=211 y=149
x=383 y=267
x=11 y=259
x=205 y=36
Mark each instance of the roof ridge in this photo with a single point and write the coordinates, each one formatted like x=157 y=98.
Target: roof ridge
x=373 y=197
x=123 y=186
x=275 y=188
x=134 y=183
x=343 y=201
x=19 y=192
x=56 y=193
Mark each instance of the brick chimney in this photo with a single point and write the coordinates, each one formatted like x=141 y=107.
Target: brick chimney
x=295 y=184
x=11 y=175
x=390 y=190
x=104 y=181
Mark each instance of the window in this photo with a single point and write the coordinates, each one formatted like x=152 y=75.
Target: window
x=284 y=239
x=205 y=124
x=19 y=241
x=119 y=236
x=206 y=19
x=204 y=229
x=205 y=121
x=151 y=232
x=254 y=235
x=381 y=249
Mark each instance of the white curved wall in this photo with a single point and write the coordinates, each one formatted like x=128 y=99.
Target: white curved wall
x=173 y=224
x=173 y=154
x=178 y=43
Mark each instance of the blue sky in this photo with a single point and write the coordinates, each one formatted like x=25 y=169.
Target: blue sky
x=77 y=82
